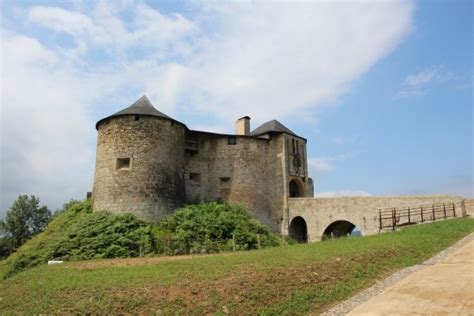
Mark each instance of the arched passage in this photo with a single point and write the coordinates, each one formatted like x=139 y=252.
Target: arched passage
x=340 y=228
x=296 y=188
x=298 y=229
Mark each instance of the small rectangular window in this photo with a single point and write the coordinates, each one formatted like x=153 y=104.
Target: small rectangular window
x=293 y=146
x=224 y=182
x=232 y=140
x=137 y=117
x=122 y=164
x=195 y=178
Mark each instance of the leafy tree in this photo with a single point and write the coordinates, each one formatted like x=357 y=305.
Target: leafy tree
x=25 y=219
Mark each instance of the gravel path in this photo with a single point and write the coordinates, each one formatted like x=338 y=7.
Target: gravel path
x=346 y=306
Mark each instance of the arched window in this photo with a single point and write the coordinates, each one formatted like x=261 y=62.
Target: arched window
x=296 y=189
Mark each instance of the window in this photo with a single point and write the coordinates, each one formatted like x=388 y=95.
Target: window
x=224 y=182
x=295 y=146
x=232 y=140
x=195 y=178
x=137 y=117
x=122 y=164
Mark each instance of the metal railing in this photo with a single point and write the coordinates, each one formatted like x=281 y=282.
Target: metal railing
x=391 y=218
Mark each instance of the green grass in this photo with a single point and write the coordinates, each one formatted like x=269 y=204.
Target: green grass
x=290 y=280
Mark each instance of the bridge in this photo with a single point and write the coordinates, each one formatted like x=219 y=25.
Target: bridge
x=313 y=219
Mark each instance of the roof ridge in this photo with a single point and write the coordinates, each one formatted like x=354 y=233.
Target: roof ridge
x=142 y=106
x=272 y=126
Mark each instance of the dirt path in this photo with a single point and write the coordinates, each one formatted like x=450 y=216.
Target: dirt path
x=443 y=285
x=446 y=287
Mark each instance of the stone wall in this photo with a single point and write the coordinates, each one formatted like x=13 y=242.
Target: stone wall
x=153 y=184
x=319 y=213
x=238 y=169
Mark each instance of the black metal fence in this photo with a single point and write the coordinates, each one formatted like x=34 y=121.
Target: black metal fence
x=391 y=218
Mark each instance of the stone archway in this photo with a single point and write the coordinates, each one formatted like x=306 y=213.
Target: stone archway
x=296 y=188
x=298 y=229
x=340 y=228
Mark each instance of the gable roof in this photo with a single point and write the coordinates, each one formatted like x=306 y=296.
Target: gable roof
x=272 y=127
x=142 y=106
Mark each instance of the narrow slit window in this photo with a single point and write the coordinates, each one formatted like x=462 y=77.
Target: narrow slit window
x=122 y=164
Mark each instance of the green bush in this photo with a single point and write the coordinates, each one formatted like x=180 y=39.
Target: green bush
x=213 y=227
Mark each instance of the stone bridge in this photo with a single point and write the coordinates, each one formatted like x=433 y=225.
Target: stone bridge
x=312 y=218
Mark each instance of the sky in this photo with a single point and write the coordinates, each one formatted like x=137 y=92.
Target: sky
x=383 y=91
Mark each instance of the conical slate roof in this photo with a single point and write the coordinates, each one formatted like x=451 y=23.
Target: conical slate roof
x=271 y=127
x=142 y=106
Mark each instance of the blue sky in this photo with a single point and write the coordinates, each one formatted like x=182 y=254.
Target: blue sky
x=382 y=91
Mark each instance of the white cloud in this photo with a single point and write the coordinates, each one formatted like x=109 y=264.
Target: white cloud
x=267 y=60
x=62 y=20
x=417 y=83
x=315 y=165
x=342 y=193
x=421 y=78
x=288 y=58
x=44 y=144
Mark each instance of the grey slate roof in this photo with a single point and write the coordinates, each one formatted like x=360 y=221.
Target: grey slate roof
x=271 y=127
x=142 y=106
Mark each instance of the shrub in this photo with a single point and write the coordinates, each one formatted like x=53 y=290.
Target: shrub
x=213 y=227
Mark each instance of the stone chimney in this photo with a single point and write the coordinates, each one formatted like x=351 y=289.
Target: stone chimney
x=242 y=126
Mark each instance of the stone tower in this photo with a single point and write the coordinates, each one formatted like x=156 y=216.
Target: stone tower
x=140 y=162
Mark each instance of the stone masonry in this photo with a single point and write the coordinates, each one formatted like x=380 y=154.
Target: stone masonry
x=150 y=164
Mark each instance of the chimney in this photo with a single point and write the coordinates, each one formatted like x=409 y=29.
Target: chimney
x=242 y=126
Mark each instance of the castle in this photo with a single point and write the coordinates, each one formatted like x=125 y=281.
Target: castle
x=150 y=164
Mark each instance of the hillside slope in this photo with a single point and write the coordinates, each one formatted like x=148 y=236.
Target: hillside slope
x=77 y=233
x=288 y=279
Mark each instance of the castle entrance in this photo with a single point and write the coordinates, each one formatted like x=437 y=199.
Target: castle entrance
x=298 y=229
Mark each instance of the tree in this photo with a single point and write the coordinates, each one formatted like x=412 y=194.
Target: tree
x=24 y=220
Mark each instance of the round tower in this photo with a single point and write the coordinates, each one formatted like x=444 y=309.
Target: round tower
x=140 y=162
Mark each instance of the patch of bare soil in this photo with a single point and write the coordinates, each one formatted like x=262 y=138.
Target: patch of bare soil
x=130 y=262
x=245 y=290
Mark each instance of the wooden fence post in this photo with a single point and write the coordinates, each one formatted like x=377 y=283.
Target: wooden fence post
x=409 y=217
x=454 y=210
x=463 y=208
x=233 y=242
x=394 y=220
x=380 y=220
x=434 y=216
x=444 y=210
x=422 y=219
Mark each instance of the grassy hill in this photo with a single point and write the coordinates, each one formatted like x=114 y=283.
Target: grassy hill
x=77 y=233
x=292 y=279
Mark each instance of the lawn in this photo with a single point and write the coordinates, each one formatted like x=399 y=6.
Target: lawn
x=289 y=280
